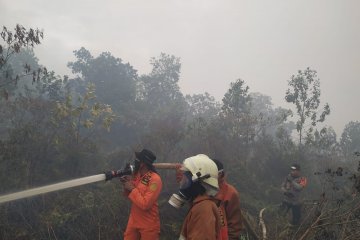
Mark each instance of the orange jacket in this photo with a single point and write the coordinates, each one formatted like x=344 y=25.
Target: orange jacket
x=202 y=221
x=224 y=235
x=144 y=211
x=230 y=202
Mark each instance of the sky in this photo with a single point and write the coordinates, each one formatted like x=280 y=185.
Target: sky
x=263 y=42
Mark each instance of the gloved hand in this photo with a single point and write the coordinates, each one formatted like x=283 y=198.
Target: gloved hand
x=128 y=185
x=179 y=173
x=289 y=178
x=125 y=178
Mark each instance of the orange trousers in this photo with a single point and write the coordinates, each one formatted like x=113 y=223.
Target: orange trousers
x=132 y=233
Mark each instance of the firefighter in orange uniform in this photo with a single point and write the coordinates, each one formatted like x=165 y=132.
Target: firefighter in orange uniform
x=198 y=185
x=230 y=212
x=143 y=190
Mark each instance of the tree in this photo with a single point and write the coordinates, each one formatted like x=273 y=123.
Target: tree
x=236 y=112
x=160 y=88
x=115 y=84
x=45 y=134
x=236 y=101
x=304 y=93
x=202 y=105
x=14 y=42
x=114 y=81
x=350 y=138
x=323 y=142
x=268 y=119
x=160 y=110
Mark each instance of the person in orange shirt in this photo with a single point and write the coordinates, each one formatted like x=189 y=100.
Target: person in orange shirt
x=143 y=190
x=198 y=185
x=232 y=221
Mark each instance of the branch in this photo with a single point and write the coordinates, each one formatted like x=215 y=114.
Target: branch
x=327 y=224
x=11 y=80
x=249 y=227
x=310 y=228
x=262 y=223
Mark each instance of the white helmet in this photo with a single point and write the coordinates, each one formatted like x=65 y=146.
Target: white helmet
x=202 y=167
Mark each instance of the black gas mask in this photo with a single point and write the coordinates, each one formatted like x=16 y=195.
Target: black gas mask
x=188 y=190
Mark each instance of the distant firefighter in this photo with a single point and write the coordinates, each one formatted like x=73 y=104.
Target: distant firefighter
x=292 y=187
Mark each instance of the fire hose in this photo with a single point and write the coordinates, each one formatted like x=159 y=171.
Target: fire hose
x=128 y=170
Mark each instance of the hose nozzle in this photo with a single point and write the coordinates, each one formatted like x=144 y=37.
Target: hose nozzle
x=128 y=170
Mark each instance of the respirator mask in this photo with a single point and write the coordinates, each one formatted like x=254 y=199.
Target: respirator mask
x=183 y=196
x=190 y=187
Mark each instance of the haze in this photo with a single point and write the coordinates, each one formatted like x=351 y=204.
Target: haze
x=262 y=42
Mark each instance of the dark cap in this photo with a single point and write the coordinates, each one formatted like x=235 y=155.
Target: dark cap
x=146 y=156
x=295 y=166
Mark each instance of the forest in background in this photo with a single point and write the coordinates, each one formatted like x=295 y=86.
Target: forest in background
x=55 y=128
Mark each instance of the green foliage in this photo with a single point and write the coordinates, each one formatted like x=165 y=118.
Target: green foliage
x=268 y=119
x=202 y=105
x=115 y=84
x=236 y=101
x=17 y=39
x=304 y=93
x=84 y=115
x=237 y=120
x=13 y=44
x=324 y=140
x=350 y=138
x=59 y=129
x=45 y=137
x=160 y=87
x=114 y=81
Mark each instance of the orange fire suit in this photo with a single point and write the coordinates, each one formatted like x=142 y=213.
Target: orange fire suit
x=202 y=221
x=230 y=204
x=144 y=221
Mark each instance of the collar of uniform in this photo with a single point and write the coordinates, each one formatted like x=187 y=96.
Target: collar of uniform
x=146 y=174
x=201 y=198
x=223 y=187
x=223 y=184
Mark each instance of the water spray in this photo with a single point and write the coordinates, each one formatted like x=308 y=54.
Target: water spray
x=51 y=188
x=128 y=170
